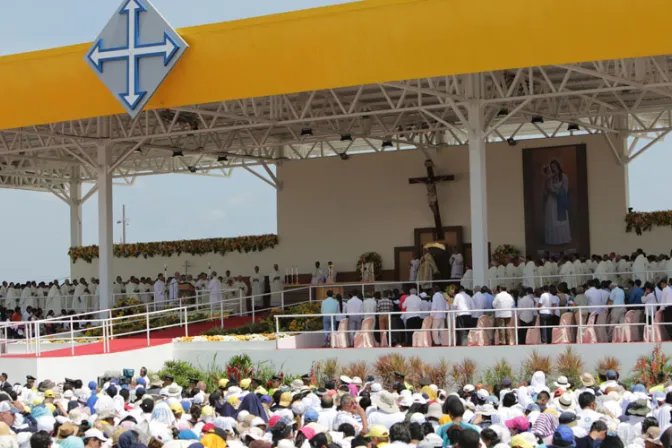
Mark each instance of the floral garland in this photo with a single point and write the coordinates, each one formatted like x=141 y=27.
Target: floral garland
x=504 y=251
x=644 y=221
x=371 y=257
x=220 y=246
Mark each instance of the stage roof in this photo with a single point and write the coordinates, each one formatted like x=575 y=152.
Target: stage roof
x=387 y=74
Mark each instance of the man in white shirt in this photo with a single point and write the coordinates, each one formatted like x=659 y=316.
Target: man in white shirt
x=370 y=305
x=159 y=290
x=387 y=413
x=662 y=414
x=503 y=305
x=461 y=304
x=412 y=317
x=355 y=308
x=478 y=302
x=439 y=308
x=545 y=306
x=526 y=317
x=174 y=292
x=327 y=413
x=594 y=297
x=587 y=415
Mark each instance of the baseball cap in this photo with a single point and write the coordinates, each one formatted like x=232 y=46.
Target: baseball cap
x=518 y=423
x=379 y=431
x=520 y=441
x=310 y=416
x=94 y=433
x=93 y=385
x=49 y=394
x=611 y=375
x=563 y=436
x=567 y=418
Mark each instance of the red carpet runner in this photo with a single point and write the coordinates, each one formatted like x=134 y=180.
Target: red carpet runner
x=137 y=341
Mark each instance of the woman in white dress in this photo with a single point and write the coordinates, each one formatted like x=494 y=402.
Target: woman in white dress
x=556 y=214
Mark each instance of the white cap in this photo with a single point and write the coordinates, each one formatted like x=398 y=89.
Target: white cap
x=469 y=388
x=94 y=433
x=346 y=379
x=376 y=387
x=242 y=415
x=417 y=418
x=356 y=380
x=482 y=394
x=257 y=421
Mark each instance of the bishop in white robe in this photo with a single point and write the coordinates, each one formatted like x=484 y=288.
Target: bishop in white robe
x=159 y=290
x=568 y=275
x=257 y=283
x=54 y=300
x=492 y=275
x=174 y=289
x=276 y=282
x=318 y=274
x=79 y=303
x=413 y=269
x=639 y=267
x=456 y=264
x=215 y=289
x=241 y=291
x=530 y=279
x=27 y=298
x=13 y=295
x=331 y=273
x=623 y=270
x=512 y=273
x=601 y=271
x=467 y=281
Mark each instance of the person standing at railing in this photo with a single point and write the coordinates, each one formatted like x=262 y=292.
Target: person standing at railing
x=256 y=282
x=330 y=306
x=54 y=299
x=616 y=298
x=79 y=299
x=439 y=308
x=567 y=272
x=355 y=308
x=527 y=315
x=413 y=316
x=594 y=297
x=666 y=305
x=545 y=306
x=276 y=284
x=215 y=289
x=384 y=305
x=461 y=305
x=160 y=289
x=530 y=272
x=651 y=302
x=503 y=305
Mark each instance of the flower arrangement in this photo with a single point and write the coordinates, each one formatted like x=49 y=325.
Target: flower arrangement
x=653 y=369
x=220 y=246
x=232 y=338
x=371 y=257
x=645 y=221
x=504 y=251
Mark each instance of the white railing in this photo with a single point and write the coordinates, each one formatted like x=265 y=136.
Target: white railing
x=454 y=330
x=182 y=312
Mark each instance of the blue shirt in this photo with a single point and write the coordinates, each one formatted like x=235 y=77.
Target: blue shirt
x=490 y=298
x=617 y=296
x=636 y=295
x=330 y=306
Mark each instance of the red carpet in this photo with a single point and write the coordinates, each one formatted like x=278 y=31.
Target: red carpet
x=123 y=344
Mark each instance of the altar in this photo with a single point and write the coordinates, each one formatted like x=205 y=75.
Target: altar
x=319 y=290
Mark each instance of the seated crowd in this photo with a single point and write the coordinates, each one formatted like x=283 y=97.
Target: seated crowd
x=145 y=412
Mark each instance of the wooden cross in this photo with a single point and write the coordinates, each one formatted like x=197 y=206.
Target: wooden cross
x=430 y=182
x=186 y=267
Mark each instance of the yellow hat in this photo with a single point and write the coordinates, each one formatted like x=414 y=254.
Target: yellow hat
x=208 y=411
x=245 y=383
x=261 y=391
x=445 y=419
x=232 y=400
x=223 y=382
x=521 y=441
x=49 y=394
x=379 y=431
x=285 y=399
x=177 y=407
x=38 y=400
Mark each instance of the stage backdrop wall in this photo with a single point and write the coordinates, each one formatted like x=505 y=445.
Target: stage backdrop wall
x=330 y=209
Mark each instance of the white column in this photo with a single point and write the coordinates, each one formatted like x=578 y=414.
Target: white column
x=478 y=193
x=105 y=226
x=75 y=212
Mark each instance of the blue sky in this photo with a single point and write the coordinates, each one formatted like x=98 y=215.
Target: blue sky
x=35 y=226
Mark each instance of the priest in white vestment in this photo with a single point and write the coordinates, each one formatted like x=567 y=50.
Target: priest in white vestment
x=54 y=300
x=159 y=290
x=467 y=281
x=318 y=274
x=13 y=296
x=567 y=274
x=241 y=291
x=331 y=273
x=530 y=279
x=413 y=269
x=215 y=289
x=427 y=268
x=501 y=275
x=601 y=271
x=640 y=266
x=257 y=283
x=79 y=304
x=276 y=283
x=623 y=270
x=512 y=281
x=174 y=289
x=3 y=292
x=456 y=264
x=27 y=297
x=492 y=275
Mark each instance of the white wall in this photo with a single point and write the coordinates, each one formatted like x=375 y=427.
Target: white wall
x=335 y=210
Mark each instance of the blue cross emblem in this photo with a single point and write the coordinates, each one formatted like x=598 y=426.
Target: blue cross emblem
x=132 y=53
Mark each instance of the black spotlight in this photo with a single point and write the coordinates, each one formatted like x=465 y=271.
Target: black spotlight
x=344 y=156
x=222 y=159
x=178 y=154
x=192 y=169
x=511 y=141
x=503 y=112
x=573 y=127
x=387 y=144
x=537 y=119
x=346 y=138
x=306 y=131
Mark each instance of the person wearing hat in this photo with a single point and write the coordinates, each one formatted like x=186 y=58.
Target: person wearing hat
x=565 y=402
x=8 y=415
x=401 y=378
x=29 y=387
x=612 y=380
x=275 y=381
x=563 y=437
x=388 y=412
x=94 y=438
x=378 y=435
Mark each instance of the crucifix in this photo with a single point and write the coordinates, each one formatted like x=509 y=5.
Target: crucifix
x=430 y=182
x=186 y=266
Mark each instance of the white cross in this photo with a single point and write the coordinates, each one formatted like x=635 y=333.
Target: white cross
x=133 y=52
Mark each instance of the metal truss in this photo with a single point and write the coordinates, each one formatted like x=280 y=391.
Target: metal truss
x=618 y=98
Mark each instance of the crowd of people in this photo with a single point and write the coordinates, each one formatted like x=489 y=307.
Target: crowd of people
x=145 y=412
